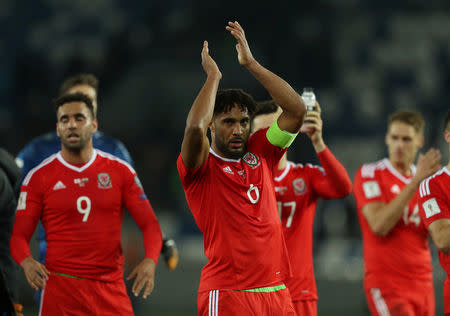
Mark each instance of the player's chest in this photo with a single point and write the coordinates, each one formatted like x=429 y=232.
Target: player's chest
x=249 y=170
x=83 y=191
x=293 y=187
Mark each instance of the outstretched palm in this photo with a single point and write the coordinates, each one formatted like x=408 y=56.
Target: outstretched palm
x=245 y=56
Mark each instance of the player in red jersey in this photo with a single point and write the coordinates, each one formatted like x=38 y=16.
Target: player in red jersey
x=79 y=194
x=229 y=190
x=397 y=260
x=434 y=205
x=297 y=189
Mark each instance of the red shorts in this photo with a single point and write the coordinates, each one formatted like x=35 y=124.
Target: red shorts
x=395 y=302
x=232 y=303
x=305 y=308
x=64 y=296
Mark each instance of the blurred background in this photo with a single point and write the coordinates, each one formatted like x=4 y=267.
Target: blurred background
x=365 y=59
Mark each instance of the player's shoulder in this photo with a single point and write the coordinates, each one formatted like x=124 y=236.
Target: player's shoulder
x=46 y=164
x=369 y=170
x=114 y=161
x=437 y=179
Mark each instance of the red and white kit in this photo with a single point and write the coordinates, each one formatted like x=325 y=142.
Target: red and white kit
x=298 y=188
x=397 y=267
x=233 y=203
x=434 y=204
x=81 y=208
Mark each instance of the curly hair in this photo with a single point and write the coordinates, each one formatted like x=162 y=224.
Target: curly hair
x=228 y=98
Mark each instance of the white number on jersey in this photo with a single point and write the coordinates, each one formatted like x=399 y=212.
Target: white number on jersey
x=249 y=194
x=293 y=207
x=413 y=218
x=84 y=210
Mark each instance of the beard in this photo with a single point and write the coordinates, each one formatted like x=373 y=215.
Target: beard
x=75 y=147
x=229 y=153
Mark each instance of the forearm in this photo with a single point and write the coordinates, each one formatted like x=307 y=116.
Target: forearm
x=388 y=215
x=145 y=218
x=20 y=238
x=282 y=93
x=340 y=184
x=202 y=109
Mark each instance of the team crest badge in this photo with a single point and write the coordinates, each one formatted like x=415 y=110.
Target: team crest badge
x=251 y=159
x=299 y=186
x=104 y=180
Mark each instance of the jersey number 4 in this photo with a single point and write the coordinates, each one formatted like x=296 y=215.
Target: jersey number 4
x=413 y=218
x=84 y=207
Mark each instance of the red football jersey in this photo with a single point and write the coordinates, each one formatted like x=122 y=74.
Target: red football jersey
x=233 y=203
x=298 y=188
x=81 y=208
x=434 y=204
x=403 y=254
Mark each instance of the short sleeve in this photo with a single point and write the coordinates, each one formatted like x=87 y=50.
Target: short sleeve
x=366 y=189
x=433 y=203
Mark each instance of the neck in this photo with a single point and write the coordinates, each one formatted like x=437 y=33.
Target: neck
x=77 y=157
x=283 y=162
x=403 y=168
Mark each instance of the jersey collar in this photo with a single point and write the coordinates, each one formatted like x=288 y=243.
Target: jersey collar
x=78 y=169
x=284 y=173
x=394 y=171
x=224 y=159
x=446 y=171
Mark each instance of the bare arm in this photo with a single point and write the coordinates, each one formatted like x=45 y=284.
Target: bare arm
x=195 y=146
x=440 y=232
x=282 y=93
x=382 y=217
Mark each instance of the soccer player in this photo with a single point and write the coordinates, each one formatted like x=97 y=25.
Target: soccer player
x=229 y=189
x=298 y=188
x=79 y=194
x=45 y=145
x=434 y=205
x=397 y=260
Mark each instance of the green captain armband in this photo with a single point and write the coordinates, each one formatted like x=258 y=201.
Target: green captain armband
x=279 y=138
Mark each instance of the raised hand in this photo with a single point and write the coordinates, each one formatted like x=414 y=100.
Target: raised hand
x=208 y=64
x=428 y=164
x=35 y=272
x=312 y=127
x=145 y=277
x=245 y=56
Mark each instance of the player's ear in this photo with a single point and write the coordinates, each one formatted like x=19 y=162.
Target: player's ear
x=447 y=136
x=421 y=141
x=57 y=131
x=95 y=125
x=211 y=126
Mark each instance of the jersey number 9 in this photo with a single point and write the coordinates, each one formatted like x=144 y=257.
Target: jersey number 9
x=84 y=208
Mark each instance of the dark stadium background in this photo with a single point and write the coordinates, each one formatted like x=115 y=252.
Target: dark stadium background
x=364 y=58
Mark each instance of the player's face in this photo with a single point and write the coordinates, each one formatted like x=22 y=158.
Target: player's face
x=263 y=121
x=75 y=125
x=86 y=90
x=403 y=143
x=230 y=132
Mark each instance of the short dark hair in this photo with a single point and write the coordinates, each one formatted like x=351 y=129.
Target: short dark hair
x=74 y=97
x=447 y=121
x=413 y=118
x=78 y=79
x=228 y=98
x=266 y=107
